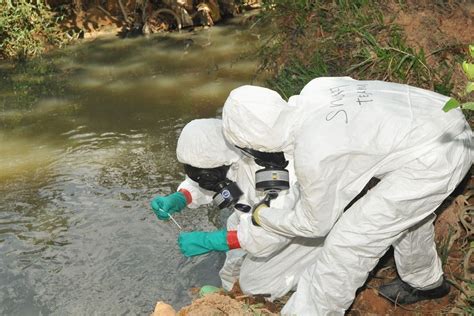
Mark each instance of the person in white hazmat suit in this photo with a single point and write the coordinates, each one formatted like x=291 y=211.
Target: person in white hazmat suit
x=254 y=256
x=342 y=132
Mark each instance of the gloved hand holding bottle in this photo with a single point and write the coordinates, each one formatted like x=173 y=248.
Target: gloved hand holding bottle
x=163 y=206
x=198 y=243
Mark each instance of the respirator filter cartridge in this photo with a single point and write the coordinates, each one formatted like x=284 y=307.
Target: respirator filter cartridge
x=227 y=195
x=272 y=179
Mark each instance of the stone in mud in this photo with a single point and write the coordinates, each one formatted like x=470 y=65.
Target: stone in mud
x=163 y=309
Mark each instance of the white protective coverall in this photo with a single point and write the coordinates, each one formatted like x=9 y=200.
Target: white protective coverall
x=263 y=255
x=342 y=132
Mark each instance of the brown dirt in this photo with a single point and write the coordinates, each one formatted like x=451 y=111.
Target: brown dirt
x=215 y=304
x=429 y=26
x=442 y=30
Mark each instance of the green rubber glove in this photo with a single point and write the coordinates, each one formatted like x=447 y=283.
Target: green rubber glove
x=198 y=243
x=164 y=205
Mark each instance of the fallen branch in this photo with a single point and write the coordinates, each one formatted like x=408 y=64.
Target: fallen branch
x=124 y=12
x=467 y=257
x=467 y=212
x=105 y=11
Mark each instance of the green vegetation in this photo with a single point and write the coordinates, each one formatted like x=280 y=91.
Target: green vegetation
x=468 y=69
x=342 y=38
x=27 y=27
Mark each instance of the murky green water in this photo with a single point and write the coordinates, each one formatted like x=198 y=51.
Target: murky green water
x=87 y=137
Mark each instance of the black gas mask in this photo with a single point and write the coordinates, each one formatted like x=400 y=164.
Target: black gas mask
x=215 y=179
x=273 y=177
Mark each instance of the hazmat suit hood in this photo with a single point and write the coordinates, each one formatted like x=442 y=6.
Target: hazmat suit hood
x=258 y=118
x=201 y=144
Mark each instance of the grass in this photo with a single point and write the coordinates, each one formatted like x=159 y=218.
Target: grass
x=27 y=28
x=341 y=38
x=444 y=247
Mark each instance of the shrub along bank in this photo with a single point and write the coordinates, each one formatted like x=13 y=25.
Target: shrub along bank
x=27 y=28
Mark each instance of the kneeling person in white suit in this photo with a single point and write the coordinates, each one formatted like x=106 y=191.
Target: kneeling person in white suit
x=342 y=132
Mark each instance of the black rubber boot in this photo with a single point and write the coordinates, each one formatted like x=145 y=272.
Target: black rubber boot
x=400 y=292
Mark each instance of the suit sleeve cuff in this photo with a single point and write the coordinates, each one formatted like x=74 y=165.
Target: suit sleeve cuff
x=232 y=239
x=187 y=195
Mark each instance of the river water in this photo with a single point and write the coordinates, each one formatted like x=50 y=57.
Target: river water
x=87 y=137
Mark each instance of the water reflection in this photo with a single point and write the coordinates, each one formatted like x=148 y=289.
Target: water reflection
x=87 y=136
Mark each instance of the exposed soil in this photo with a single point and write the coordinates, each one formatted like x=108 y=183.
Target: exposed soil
x=215 y=304
x=429 y=26
x=442 y=29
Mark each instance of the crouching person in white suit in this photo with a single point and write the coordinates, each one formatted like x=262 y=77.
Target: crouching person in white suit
x=263 y=262
x=342 y=132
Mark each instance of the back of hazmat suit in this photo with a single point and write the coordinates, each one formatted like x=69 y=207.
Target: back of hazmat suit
x=263 y=255
x=342 y=132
